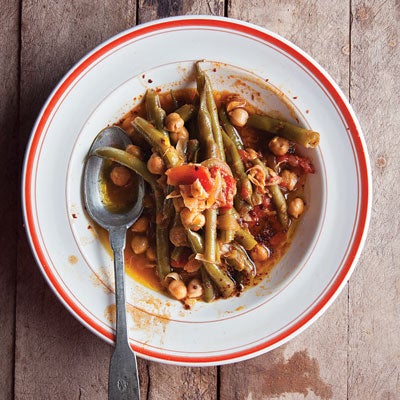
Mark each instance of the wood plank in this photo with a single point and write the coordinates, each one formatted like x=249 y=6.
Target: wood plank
x=314 y=364
x=56 y=357
x=374 y=345
x=9 y=171
x=149 y=10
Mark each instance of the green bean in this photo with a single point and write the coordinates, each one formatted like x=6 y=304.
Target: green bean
x=197 y=245
x=162 y=236
x=162 y=248
x=155 y=112
x=240 y=260
x=227 y=234
x=245 y=188
x=245 y=238
x=196 y=241
x=220 y=278
x=192 y=150
x=128 y=160
x=158 y=141
x=204 y=86
x=205 y=129
x=256 y=198
x=210 y=234
x=209 y=292
x=302 y=136
x=277 y=196
x=242 y=206
x=230 y=130
x=186 y=112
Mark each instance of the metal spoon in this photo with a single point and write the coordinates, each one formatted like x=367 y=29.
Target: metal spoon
x=123 y=383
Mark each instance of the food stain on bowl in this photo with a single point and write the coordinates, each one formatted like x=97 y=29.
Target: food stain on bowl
x=149 y=324
x=72 y=259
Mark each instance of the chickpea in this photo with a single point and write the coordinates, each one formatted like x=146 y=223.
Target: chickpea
x=156 y=164
x=134 y=150
x=151 y=254
x=173 y=122
x=141 y=225
x=192 y=265
x=192 y=220
x=239 y=117
x=279 y=145
x=296 y=207
x=289 y=179
x=259 y=253
x=181 y=134
x=178 y=289
x=120 y=176
x=139 y=244
x=194 y=289
x=177 y=236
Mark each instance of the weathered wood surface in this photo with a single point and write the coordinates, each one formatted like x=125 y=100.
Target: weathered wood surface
x=9 y=212
x=374 y=291
x=352 y=352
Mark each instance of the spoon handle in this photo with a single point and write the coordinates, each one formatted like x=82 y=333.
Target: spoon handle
x=123 y=381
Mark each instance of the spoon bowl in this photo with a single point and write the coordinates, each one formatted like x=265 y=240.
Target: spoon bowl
x=123 y=381
x=94 y=201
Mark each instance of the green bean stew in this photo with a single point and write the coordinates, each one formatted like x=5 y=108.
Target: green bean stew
x=225 y=190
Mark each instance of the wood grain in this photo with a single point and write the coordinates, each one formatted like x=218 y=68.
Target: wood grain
x=322 y=29
x=9 y=170
x=56 y=357
x=351 y=352
x=374 y=323
x=149 y=10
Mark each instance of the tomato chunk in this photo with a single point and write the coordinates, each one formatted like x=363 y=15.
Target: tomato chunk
x=188 y=173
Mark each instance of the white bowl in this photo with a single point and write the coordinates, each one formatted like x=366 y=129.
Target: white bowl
x=106 y=84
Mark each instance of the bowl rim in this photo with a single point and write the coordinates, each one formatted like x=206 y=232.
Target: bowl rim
x=302 y=58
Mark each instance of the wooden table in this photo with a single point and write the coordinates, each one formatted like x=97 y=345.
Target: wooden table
x=352 y=352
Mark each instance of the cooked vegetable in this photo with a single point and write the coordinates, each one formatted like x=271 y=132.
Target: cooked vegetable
x=120 y=175
x=278 y=145
x=277 y=196
x=155 y=112
x=219 y=277
x=219 y=201
x=245 y=188
x=158 y=140
x=305 y=137
x=155 y=164
x=296 y=207
x=186 y=112
x=206 y=92
x=239 y=117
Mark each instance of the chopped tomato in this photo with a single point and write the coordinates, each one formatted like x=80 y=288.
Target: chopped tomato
x=188 y=173
x=229 y=190
x=295 y=161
